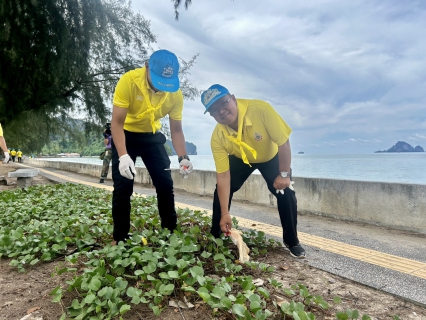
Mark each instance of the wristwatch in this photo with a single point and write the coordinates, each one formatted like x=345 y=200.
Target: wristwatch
x=284 y=174
x=183 y=157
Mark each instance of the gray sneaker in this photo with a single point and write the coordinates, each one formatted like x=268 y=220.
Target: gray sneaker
x=296 y=251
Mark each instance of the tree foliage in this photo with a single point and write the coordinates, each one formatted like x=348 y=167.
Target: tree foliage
x=63 y=58
x=177 y=4
x=60 y=56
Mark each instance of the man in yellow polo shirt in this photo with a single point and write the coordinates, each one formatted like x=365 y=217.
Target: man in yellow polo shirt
x=19 y=155
x=250 y=135
x=3 y=146
x=13 y=154
x=142 y=97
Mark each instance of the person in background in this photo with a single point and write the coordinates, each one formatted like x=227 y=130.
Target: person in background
x=19 y=155
x=142 y=97
x=3 y=146
x=250 y=135
x=13 y=154
x=108 y=152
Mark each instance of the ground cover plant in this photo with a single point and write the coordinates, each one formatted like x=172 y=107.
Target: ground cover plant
x=73 y=223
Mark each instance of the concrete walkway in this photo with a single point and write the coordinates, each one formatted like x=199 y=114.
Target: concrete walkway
x=393 y=261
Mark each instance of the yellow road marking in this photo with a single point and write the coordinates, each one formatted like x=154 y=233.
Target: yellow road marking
x=388 y=261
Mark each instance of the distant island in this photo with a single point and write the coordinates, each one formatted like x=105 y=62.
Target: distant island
x=191 y=149
x=300 y=152
x=402 y=146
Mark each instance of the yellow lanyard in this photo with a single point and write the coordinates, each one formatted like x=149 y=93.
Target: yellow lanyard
x=237 y=140
x=151 y=110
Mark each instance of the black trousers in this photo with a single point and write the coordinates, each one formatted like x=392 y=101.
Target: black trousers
x=287 y=203
x=150 y=147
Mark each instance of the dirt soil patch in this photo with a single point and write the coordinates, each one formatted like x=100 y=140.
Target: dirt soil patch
x=28 y=293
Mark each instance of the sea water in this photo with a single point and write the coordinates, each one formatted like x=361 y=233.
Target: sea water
x=382 y=167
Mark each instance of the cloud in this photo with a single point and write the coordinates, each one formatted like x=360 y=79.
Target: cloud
x=417 y=137
x=333 y=70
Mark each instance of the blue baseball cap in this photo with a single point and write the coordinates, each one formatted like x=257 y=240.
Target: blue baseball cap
x=212 y=94
x=164 y=71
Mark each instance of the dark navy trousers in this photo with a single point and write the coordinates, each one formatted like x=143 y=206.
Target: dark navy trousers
x=287 y=202
x=150 y=147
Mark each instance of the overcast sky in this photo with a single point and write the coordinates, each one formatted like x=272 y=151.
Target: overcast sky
x=347 y=76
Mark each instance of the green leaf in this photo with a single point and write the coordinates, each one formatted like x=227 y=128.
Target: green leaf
x=366 y=317
x=255 y=305
x=201 y=280
x=226 y=303
x=124 y=308
x=54 y=291
x=238 y=309
x=138 y=272
x=218 y=292
x=46 y=256
x=190 y=248
x=342 y=316
x=150 y=268
x=265 y=293
x=355 y=314
x=33 y=262
x=131 y=292
x=156 y=310
x=173 y=274
x=219 y=256
x=121 y=284
x=90 y=298
x=337 y=300
x=182 y=264
x=204 y=295
x=103 y=291
x=194 y=230
x=188 y=288
x=196 y=271
x=95 y=284
x=167 y=289
x=171 y=261
x=254 y=297
x=206 y=254
x=164 y=275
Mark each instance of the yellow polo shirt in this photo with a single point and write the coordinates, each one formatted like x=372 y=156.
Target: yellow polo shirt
x=263 y=129
x=19 y=154
x=128 y=94
x=1 y=131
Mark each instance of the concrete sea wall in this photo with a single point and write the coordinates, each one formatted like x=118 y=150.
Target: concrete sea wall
x=394 y=205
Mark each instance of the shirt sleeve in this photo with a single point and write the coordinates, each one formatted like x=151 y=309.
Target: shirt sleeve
x=122 y=92
x=220 y=155
x=1 y=131
x=278 y=129
x=176 y=112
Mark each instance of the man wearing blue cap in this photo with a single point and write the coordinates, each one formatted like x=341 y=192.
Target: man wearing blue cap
x=142 y=97
x=250 y=135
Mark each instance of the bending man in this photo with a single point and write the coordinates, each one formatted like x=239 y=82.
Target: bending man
x=250 y=135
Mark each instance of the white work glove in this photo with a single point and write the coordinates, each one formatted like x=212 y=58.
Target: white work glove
x=126 y=166
x=290 y=187
x=6 y=157
x=185 y=167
